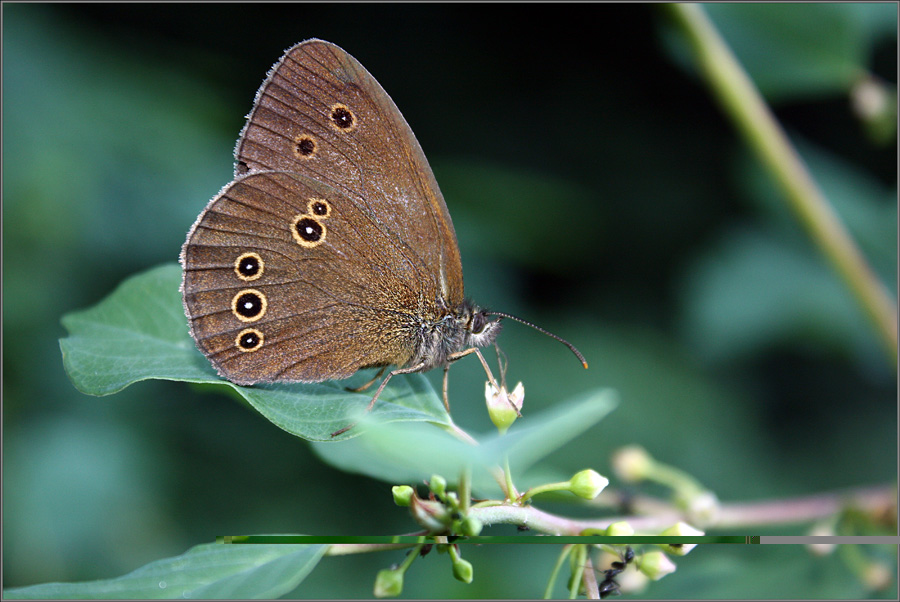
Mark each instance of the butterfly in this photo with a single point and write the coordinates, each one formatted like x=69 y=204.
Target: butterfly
x=332 y=250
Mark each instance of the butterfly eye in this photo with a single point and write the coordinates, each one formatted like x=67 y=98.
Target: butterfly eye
x=478 y=323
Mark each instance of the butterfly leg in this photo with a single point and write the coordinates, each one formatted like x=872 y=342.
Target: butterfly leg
x=410 y=370
x=455 y=356
x=444 y=388
x=368 y=384
x=460 y=354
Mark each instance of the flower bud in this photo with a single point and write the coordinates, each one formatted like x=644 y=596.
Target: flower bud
x=656 y=565
x=703 y=508
x=587 y=484
x=821 y=549
x=877 y=576
x=402 y=494
x=632 y=463
x=470 y=526
x=438 y=485
x=680 y=529
x=389 y=583
x=462 y=570
x=503 y=407
x=620 y=529
x=431 y=515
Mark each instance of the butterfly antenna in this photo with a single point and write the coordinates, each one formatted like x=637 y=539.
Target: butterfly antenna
x=546 y=332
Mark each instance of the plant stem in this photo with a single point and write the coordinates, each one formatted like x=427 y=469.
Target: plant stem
x=465 y=490
x=561 y=486
x=877 y=501
x=511 y=491
x=591 y=589
x=579 y=555
x=742 y=515
x=743 y=103
x=567 y=549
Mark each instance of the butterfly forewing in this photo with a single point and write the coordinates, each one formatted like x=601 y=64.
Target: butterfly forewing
x=320 y=114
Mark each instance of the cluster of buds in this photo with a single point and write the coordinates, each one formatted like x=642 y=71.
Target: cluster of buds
x=442 y=515
x=633 y=464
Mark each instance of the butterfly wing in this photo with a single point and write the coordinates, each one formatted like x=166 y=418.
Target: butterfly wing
x=319 y=113
x=288 y=279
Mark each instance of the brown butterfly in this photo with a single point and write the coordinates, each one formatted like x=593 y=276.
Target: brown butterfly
x=332 y=250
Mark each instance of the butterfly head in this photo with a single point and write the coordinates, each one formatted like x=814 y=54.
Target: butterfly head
x=480 y=328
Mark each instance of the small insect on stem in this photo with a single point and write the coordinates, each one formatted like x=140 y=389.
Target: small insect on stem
x=609 y=586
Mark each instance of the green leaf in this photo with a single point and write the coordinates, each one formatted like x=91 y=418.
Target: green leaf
x=205 y=571
x=737 y=304
x=759 y=286
x=412 y=452
x=140 y=332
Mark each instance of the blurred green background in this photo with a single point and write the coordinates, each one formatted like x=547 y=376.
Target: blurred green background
x=596 y=190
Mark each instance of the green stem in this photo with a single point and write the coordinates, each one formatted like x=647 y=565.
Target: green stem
x=683 y=484
x=563 y=485
x=567 y=549
x=411 y=556
x=511 y=492
x=465 y=490
x=743 y=103
x=579 y=556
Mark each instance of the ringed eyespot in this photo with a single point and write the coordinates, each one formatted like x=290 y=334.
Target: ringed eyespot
x=249 y=340
x=307 y=231
x=249 y=305
x=249 y=266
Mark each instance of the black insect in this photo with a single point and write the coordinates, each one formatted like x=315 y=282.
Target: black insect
x=609 y=586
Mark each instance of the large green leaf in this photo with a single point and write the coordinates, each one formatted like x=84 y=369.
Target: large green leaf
x=204 y=571
x=140 y=332
x=412 y=452
x=758 y=286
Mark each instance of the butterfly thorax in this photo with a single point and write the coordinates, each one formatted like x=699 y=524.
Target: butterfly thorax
x=453 y=330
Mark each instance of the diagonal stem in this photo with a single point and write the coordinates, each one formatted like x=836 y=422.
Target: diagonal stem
x=743 y=103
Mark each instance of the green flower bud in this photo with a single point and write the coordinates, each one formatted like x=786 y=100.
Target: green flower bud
x=822 y=549
x=587 y=484
x=874 y=105
x=680 y=530
x=402 y=494
x=877 y=576
x=703 y=508
x=388 y=583
x=462 y=570
x=438 y=485
x=656 y=565
x=620 y=529
x=452 y=499
x=632 y=463
x=470 y=526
